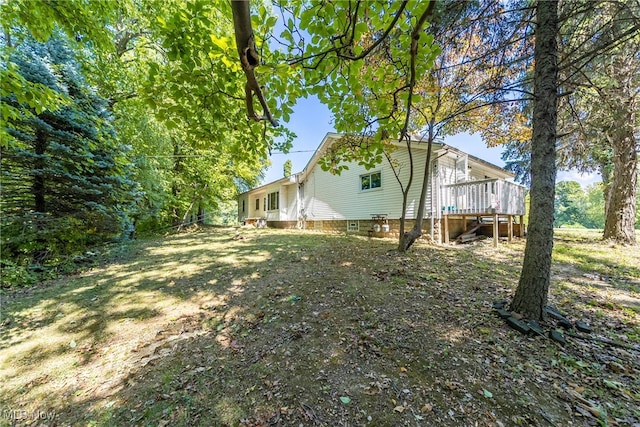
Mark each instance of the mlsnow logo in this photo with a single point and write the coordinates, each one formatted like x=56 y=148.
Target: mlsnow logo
x=24 y=414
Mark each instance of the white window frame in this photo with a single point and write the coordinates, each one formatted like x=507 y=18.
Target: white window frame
x=462 y=169
x=351 y=223
x=370 y=174
x=271 y=198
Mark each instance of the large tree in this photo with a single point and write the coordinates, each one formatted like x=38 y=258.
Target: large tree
x=168 y=74
x=382 y=89
x=66 y=176
x=533 y=288
x=598 y=124
x=363 y=61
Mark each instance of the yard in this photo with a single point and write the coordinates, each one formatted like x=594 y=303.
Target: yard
x=290 y=328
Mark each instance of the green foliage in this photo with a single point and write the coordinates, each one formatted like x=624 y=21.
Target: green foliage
x=570 y=206
x=13 y=274
x=576 y=207
x=192 y=144
x=364 y=82
x=67 y=178
x=173 y=129
x=288 y=165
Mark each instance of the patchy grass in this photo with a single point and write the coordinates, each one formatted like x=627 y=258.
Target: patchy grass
x=290 y=328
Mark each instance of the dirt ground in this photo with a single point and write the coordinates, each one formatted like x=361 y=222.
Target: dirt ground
x=283 y=328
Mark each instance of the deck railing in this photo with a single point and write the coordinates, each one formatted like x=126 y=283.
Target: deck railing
x=482 y=197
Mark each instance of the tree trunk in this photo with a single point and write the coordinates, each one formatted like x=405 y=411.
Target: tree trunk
x=200 y=214
x=401 y=233
x=606 y=173
x=414 y=234
x=620 y=216
x=533 y=288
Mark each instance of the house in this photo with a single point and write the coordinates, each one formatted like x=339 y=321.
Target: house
x=467 y=197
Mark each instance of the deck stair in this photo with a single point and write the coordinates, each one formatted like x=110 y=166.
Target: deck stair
x=470 y=234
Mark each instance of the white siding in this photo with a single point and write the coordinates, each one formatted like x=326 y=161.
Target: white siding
x=243 y=201
x=290 y=211
x=324 y=196
x=328 y=196
x=447 y=170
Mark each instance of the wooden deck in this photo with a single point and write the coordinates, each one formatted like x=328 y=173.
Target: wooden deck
x=487 y=203
x=485 y=197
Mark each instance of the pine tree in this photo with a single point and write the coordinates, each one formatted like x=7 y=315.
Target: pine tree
x=65 y=177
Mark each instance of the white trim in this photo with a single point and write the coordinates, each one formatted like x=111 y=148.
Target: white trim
x=369 y=174
x=351 y=222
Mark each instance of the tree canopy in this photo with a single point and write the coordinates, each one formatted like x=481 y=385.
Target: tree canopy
x=118 y=115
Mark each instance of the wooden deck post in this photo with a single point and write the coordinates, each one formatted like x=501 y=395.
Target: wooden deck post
x=521 y=226
x=446 y=228
x=510 y=228
x=496 y=230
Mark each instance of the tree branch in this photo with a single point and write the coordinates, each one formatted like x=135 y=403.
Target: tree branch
x=364 y=53
x=249 y=59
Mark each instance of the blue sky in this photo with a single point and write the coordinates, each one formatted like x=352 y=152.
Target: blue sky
x=311 y=121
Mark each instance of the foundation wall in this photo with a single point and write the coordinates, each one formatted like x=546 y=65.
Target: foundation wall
x=365 y=227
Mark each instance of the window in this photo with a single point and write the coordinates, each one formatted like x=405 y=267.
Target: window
x=257 y=204
x=462 y=169
x=370 y=181
x=273 y=201
x=353 y=226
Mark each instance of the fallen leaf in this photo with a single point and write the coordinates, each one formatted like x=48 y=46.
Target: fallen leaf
x=345 y=399
x=372 y=390
x=399 y=409
x=72 y=344
x=427 y=407
x=487 y=393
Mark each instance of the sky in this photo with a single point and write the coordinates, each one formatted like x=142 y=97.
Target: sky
x=311 y=121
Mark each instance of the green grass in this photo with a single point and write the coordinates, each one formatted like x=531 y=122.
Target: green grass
x=202 y=329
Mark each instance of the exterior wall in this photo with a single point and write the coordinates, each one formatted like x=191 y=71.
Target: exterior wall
x=446 y=170
x=456 y=227
x=339 y=197
x=282 y=224
x=253 y=212
x=243 y=206
x=327 y=197
x=289 y=210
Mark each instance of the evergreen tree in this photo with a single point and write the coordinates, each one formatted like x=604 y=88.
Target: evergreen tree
x=65 y=177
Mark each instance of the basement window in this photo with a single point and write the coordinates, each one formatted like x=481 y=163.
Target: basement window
x=353 y=226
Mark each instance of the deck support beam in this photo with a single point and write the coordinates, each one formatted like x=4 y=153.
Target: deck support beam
x=446 y=228
x=510 y=228
x=521 y=226
x=496 y=230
